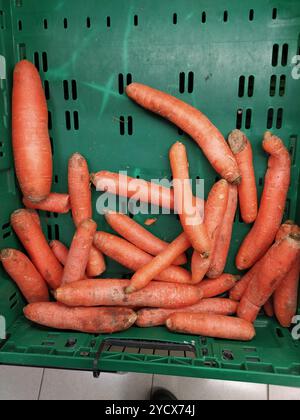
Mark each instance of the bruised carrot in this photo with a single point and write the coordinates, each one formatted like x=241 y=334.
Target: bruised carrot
x=219 y=258
x=60 y=251
x=36 y=245
x=272 y=204
x=210 y=325
x=242 y=150
x=26 y=276
x=112 y=293
x=79 y=252
x=216 y=287
x=87 y=320
x=30 y=136
x=55 y=203
x=134 y=258
x=269 y=308
x=139 y=236
x=274 y=267
x=152 y=317
x=286 y=229
x=190 y=217
x=193 y=122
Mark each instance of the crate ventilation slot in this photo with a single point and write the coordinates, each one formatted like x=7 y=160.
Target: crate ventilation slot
x=225 y=16
x=20 y=25
x=124 y=80
x=190 y=82
x=175 y=19
x=47 y=89
x=67 y=89
x=6 y=230
x=88 y=22
x=204 y=17
x=66 y=23
x=136 y=20
x=45 y=24
x=279 y=118
x=284 y=56
x=292 y=147
x=1 y=150
x=75 y=120
x=240 y=117
x=242 y=86
x=22 y=51
x=126 y=126
x=251 y=15
x=274 y=13
x=108 y=21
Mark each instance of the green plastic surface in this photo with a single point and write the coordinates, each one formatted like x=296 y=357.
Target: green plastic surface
x=92 y=43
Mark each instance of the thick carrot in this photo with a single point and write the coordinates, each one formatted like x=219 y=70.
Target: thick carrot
x=30 y=137
x=26 y=276
x=60 y=251
x=193 y=122
x=272 y=204
x=134 y=258
x=219 y=258
x=210 y=325
x=35 y=243
x=216 y=287
x=79 y=252
x=87 y=320
x=112 y=293
x=242 y=150
x=152 y=317
x=269 y=308
x=190 y=217
x=138 y=235
x=274 y=267
x=56 y=203
x=215 y=209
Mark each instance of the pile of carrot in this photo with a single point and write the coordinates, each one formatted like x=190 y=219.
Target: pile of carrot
x=162 y=290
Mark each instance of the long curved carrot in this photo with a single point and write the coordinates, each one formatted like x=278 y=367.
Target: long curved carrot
x=111 y=292
x=87 y=320
x=242 y=150
x=152 y=317
x=55 y=203
x=60 y=251
x=26 y=276
x=30 y=136
x=138 y=235
x=274 y=267
x=79 y=252
x=219 y=258
x=193 y=122
x=216 y=287
x=277 y=182
x=210 y=325
x=215 y=209
x=36 y=245
x=134 y=258
x=190 y=217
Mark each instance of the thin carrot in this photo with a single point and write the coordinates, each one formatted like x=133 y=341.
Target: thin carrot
x=79 y=252
x=269 y=308
x=87 y=320
x=30 y=136
x=55 y=203
x=219 y=258
x=150 y=222
x=272 y=204
x=242 y=150
x=193 y=122
x=134 y=258
x=216 y=287
x=210 y=325
x=96 y=264
x=36 y=245
x=26 y=276
x=138 y=235
x=112 y=293
x=152 y=317
x=60 y=251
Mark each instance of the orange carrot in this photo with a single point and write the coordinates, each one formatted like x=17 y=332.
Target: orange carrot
x=56 y=203
x=191 y=220
x=60 y=251
x=152 y=317
x=79 y=252
x=139 y=236
x=87 y=320
x=26 y=276
x=272 y=204
x=215 y=209
x=274 y=267
x=112 y=293
x=240 y=288
x=96 y=263
x=150 y=222
x=269 y=308
x=35 y=216
x=193 y=122
x=216 y=287
x=30 y=137
x=210 y=325
x=286 y=229
x=35 y=243
x=134 y=258
x=222 y=247
x=242 y=150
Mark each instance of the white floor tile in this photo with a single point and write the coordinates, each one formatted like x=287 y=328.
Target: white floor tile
x=284 y=393
x=20 y=383
x=207 y=389
x=70 y=385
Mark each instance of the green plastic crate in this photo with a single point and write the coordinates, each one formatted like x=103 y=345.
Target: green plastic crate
x=232 y=60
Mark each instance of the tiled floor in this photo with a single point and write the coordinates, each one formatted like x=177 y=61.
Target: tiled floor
x=33 y=384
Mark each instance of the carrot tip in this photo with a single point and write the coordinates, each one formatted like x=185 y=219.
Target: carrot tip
x=237 y=181
x=129 y=290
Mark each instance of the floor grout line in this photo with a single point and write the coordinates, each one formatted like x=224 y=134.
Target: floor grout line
x=41 y=385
